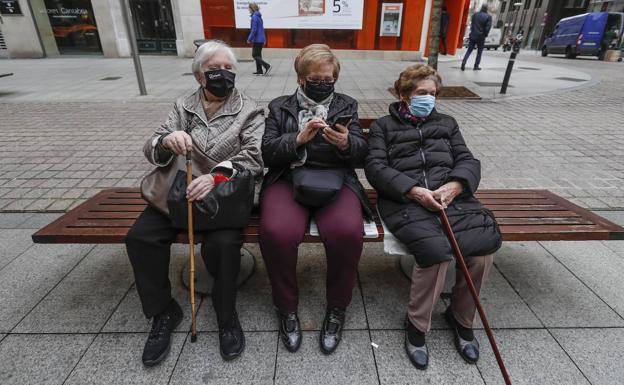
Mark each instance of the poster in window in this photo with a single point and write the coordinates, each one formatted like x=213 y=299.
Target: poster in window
x=391 y=14
x=73 y=25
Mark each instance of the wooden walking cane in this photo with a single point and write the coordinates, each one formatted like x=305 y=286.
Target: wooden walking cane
x=475 y=296
x=189 y=208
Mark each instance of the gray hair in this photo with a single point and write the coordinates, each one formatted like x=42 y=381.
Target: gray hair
x=206 y=51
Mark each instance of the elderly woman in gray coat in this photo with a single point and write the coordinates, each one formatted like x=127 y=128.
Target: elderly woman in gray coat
x=222 y=128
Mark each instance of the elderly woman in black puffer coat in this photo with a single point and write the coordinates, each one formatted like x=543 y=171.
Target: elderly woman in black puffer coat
x=419 y=163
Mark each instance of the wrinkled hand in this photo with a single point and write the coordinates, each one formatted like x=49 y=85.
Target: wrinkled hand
x=200 y=187
x=179 y=142
x=338 y=138
x=447 y=192
x=425 y=198
x=310 y=131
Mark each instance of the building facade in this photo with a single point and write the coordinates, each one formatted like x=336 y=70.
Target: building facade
x=537 y=18
x=363 y=28
x=408 y=34
x=48 y=28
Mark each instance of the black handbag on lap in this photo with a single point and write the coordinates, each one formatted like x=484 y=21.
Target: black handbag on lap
x=317 y=187
x=227 y=206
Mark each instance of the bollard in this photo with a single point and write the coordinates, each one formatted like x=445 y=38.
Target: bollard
x=510 y=65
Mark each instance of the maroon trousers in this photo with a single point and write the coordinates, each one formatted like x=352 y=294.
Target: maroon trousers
x=282 y=227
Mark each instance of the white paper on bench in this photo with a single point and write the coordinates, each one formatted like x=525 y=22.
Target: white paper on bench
x=391 y=244
x=370 y=229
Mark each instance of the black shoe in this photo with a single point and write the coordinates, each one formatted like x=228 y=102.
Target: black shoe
x=258 y=73
x=267 y=70
x=331 y=332
x=418 y=355
x=463 y=67
x=468 y=349
x=231 y=339
x=159 y=340
x=289 y=330
x=477 y=68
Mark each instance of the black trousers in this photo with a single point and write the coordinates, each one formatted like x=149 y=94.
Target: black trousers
x=148 y=244
x=472 y=43
x=256 y=53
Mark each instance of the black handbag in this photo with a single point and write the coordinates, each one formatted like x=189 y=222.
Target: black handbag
x=317 y=187
x=227 y=206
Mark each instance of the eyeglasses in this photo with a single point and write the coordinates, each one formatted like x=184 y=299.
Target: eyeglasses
x=215 y=68
x=321 y=81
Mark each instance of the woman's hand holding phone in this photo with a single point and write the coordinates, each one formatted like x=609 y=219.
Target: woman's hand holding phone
x=338 y=135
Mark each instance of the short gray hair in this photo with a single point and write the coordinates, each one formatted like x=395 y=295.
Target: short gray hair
x=207 y=50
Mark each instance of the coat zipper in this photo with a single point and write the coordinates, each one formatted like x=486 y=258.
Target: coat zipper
x=422 y=155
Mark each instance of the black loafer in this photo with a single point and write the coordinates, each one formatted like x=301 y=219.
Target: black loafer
x=468 y=350
x=289 y=330
x=418 y=355
x=159 y=340
x=331 y=332
x=231 y=339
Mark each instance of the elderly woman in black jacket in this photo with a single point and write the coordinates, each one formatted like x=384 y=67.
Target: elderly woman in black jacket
x=311 y=144
x=419 y=164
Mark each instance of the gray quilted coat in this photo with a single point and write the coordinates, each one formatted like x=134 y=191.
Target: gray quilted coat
x=233 y=134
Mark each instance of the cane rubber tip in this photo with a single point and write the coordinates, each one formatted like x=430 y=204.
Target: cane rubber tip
x=194 y=338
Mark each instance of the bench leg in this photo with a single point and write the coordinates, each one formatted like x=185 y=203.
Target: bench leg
x=406 y=264
x=203 y=280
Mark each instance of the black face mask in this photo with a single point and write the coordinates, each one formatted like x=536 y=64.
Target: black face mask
x=318 y=91
x=219 y=82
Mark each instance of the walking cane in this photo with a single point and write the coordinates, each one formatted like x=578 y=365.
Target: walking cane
x=189 y=209
x=475 y=296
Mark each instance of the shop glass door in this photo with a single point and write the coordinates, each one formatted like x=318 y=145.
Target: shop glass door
x=153 y=21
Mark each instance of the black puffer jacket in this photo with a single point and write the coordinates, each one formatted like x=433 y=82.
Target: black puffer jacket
x=403 y=155
x=279 y=146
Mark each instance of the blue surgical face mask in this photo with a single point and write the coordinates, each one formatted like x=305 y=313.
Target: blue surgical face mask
x=421 y=105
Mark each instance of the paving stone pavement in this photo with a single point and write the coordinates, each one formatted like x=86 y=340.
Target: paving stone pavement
x=69 y=314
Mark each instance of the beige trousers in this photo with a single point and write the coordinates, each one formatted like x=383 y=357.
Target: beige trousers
x=427 y=284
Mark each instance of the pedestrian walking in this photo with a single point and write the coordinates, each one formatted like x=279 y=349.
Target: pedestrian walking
x=257 y=38
x=444 y=23
x=479 y=28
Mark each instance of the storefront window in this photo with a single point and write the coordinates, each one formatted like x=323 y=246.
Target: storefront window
x=73 y=25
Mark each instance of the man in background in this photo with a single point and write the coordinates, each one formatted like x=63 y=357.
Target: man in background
x=481 y=23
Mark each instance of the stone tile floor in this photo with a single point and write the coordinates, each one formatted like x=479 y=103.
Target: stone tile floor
x=70 y=315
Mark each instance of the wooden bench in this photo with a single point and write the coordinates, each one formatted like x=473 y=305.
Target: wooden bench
x=523 y=215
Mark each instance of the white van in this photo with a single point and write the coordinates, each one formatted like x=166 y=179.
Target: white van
x=493 y=39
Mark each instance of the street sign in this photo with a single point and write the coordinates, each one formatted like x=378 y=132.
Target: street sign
x=10 y=7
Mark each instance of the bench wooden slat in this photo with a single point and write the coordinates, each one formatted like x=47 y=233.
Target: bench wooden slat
x=534 y=214
x=544 y=221
x=523 y=215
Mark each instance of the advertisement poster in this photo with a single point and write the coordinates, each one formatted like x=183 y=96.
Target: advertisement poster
x=391 y=19
x=303 y=14
x=73 y=25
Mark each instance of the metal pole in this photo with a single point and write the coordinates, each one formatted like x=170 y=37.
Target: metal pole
x=510 y=65
x=127 y=15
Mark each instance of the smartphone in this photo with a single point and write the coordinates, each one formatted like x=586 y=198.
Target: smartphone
x=342 y=120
